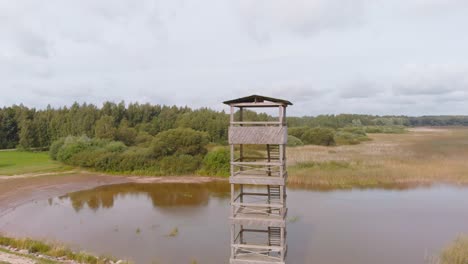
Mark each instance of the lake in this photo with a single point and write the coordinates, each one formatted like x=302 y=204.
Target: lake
x=135 y=221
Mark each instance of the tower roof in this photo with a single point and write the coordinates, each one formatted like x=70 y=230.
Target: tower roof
x=257 y=99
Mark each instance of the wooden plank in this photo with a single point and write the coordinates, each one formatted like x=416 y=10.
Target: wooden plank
x=255 y=123
x=257 y=163
x=258 y=135
x=258 y=205
x=260 y=104
x=258 y=180
x=275 y=248
x=259 y=220
x=252 y=260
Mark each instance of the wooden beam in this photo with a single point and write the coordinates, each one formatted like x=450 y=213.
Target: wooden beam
x=260 y=104
x=255 y=123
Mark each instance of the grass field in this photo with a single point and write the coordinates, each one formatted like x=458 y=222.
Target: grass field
x=20 y=162
x=424 y=155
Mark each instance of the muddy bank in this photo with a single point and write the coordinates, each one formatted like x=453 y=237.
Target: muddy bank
x=16 y=191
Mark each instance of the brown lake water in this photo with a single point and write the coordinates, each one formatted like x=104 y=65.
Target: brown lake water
x=132 y=221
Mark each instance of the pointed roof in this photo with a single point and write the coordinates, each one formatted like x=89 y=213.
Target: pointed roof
x=257 y=99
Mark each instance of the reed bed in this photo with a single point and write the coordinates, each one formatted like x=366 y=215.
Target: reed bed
x=422 y=156
x=455 y=253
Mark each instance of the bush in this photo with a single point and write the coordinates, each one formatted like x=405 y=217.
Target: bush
x=354 y=130
x=350 y=136
x=115 y=146
x=55 y=147
x=319 y=136
x=385 y=129
x=347 y=138
x=298 y=132
x=71 y=146
x=137 y=159
x=179 y=141
x=143 y=139
x=216 y=163
x=183 y=153
x=294 y=141
x=180 y=164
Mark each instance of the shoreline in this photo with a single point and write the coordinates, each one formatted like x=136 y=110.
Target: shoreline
x=26 y=188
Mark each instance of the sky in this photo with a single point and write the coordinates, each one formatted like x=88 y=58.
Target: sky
x=407 y=57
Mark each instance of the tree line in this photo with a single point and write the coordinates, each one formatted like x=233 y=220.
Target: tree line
x=133 y=124
x=137 y=124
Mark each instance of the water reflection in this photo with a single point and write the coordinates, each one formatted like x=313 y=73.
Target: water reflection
x=385 y=226
x=381 y=186
x=161 y=194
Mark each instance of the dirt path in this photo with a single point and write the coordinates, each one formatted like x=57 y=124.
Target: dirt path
x=30 y=175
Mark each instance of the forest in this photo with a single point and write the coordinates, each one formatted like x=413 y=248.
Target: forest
x=156 y=139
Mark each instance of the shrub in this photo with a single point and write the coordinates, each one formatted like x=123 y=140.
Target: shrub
x=71 y=146
x=143 y=139
x=216 y=163
x=115 y=146
x=180 y=164
x=298 y=132
x=179 y=141
x=385 y=129
x=354 y=130
x=55 y=147
x=177 y=151
x=347 y=138
x=319 y=136
x=350 y=136
x=294 y=141
x=137 y=159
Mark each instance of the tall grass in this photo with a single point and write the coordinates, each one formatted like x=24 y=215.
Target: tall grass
x=417 y=157
x=53 y=250
x=455 y=253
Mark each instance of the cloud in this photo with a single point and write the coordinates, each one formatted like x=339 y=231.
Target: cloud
x=33 y=45
x=360 y=89
x=432 y=80
x=200 y=53
x=303 y=17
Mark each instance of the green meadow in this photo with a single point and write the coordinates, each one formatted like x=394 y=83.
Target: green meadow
x=22 y=162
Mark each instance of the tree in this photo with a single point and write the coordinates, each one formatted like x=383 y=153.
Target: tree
x=125 y=133
x=27 y=135
x=105 y=128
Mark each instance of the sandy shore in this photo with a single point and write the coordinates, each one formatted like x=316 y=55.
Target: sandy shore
x=21 y=189
x=15 y=259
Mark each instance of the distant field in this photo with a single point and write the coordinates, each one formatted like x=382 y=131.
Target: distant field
x=424 y=155
x=20 y=162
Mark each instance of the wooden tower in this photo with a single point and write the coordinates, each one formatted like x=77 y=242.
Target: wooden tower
x=258 y=182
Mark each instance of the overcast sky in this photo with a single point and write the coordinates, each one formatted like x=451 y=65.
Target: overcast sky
x=326 y=56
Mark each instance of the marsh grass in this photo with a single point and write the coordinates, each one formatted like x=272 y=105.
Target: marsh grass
x=52 y=250
x=174 y=232
x=456 y=253
x=293 y=219
x=421 y=156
